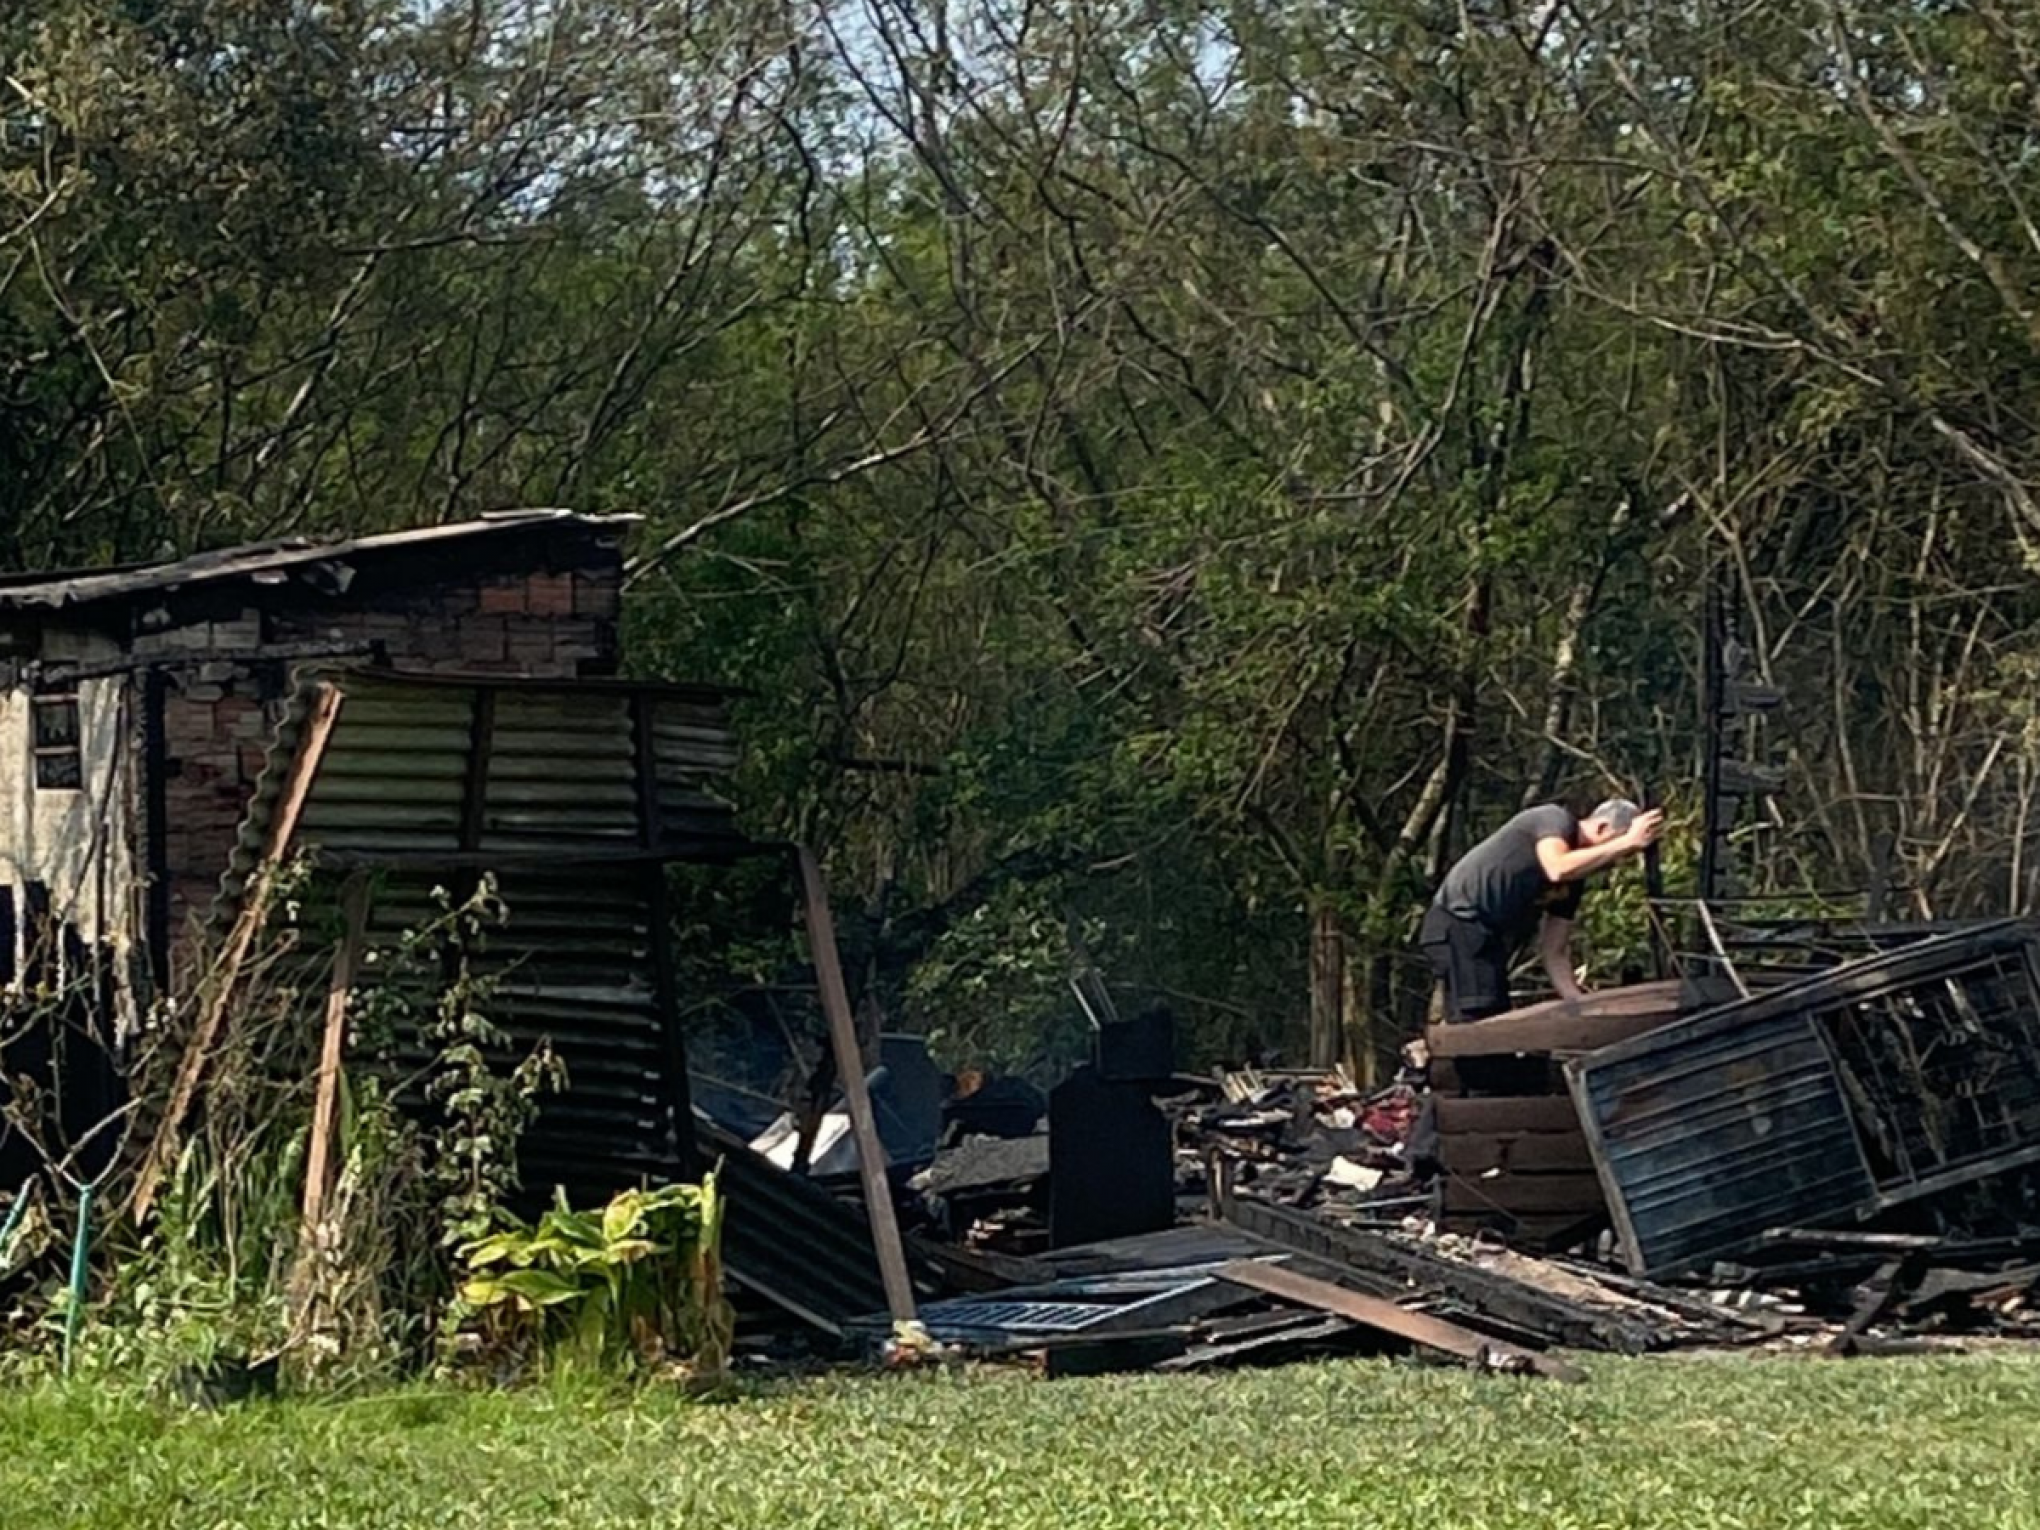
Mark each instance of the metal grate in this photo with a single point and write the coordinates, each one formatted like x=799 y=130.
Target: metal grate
x=1021 y=1317
x=1945 y=1071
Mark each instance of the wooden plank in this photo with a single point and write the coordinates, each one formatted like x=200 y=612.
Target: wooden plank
x=1564 y=1025
x=1525 y=1192
x=319 y=1155
x=326 y=1101
x=225 y=976
x=1522 y=1113
x=1386 y=1317
x=1389 y=1266
x=885 y=1231
x=1518 y=1153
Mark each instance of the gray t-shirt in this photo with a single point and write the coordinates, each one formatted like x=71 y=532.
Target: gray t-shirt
x=1500 y=881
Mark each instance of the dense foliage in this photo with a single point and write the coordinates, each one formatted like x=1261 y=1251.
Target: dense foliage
x=1172 y=470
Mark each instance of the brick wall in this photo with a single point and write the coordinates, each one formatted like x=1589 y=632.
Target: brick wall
x=219 y=715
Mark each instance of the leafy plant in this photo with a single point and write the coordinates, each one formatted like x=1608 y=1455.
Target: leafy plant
x=227 y=1267
x=430 y=985
x=639 y=1281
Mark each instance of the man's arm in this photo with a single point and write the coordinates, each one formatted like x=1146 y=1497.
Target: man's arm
x=1554 y=948
x=1562 y=863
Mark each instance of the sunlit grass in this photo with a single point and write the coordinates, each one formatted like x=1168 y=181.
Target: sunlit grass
x=1942 y=1443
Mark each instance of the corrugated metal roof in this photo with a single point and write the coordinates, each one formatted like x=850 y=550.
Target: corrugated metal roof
x=259 y=558
x=1881 y=1081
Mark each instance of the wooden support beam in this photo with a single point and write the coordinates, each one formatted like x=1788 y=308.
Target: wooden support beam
x=1386 y=1317
x=326 y=1100
x=319 y=1152
x=885 y=1231
x=218 y=992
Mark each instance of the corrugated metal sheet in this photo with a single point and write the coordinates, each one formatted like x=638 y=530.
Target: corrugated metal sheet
x=448 y=771
x=573 y=967
x=791 y=1242
x=261 y=558
x=1884 y=1080
x=1720 y=1129
x=574 y=793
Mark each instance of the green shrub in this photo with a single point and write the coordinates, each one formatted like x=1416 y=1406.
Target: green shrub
x=638 y=1282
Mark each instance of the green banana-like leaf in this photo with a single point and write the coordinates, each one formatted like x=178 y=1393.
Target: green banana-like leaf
x=525 y=1288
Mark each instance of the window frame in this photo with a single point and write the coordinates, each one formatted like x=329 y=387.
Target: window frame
x=41 y=754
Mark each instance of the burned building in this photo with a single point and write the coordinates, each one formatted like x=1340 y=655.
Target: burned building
x=407 y=714
x=136 y=704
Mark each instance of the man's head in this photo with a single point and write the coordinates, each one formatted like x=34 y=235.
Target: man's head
x=1611 y=820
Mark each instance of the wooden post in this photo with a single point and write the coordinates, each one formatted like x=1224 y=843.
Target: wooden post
x=885 y=1231
x=254 y=914
x=1654 y=897
x=326 y=1104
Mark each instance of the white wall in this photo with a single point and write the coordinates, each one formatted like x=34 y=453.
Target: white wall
x=78 y=844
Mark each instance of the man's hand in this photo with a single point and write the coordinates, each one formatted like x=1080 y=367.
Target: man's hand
x=1645 y=829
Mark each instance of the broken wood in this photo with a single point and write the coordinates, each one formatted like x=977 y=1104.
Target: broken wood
x=1418 y=1328
x=254 y=913
x=980 y=1269
x=1519 y=1153
x=885 y=1230
x=1475 y=1293
x=1893 y=1282
x=326 y=1101
x=1578 y=1192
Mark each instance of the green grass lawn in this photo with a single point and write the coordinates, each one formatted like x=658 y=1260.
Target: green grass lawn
x=1942 y=1443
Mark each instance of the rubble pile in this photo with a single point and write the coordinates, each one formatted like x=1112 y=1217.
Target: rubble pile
x=1305 y=1140
x=1842 y=1157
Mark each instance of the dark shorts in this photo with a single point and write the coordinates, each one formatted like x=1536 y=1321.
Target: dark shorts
x=1471 y=960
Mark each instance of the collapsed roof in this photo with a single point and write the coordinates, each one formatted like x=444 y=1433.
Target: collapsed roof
x=273 y=561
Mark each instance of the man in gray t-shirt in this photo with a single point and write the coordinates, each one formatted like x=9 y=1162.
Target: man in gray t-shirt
x=1526 y=878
